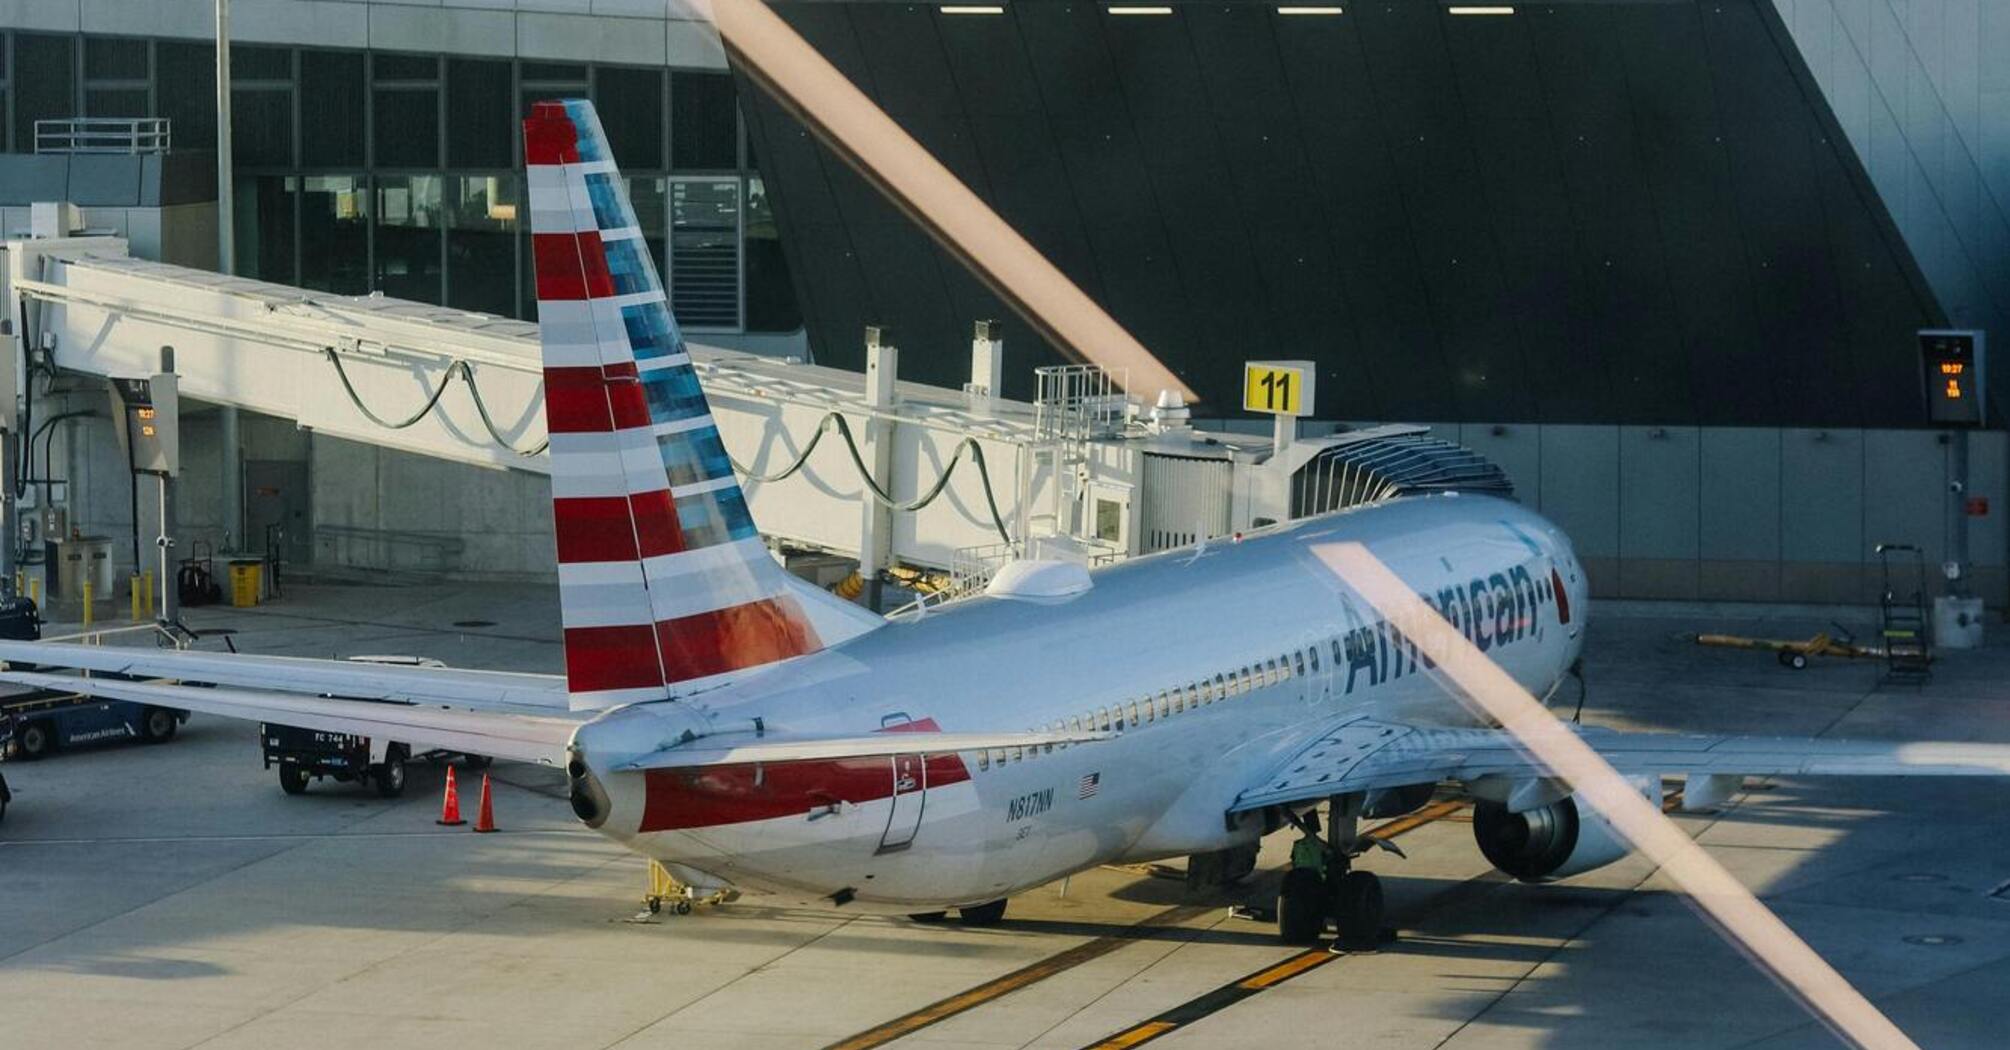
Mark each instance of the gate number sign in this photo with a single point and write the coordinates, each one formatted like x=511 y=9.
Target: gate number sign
x=1282 y=388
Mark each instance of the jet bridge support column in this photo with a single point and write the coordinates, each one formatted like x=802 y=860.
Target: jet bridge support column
x=10 y=438
x=875 y=544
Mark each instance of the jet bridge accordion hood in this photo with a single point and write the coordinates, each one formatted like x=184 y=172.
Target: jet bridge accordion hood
x=1350 y=473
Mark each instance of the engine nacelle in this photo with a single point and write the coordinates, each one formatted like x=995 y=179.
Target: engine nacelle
x=1552 y=841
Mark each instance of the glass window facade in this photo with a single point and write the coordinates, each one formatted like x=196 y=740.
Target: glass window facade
x=401 y=172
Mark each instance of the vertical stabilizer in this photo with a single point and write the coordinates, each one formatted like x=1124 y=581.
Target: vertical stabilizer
x=663 y=581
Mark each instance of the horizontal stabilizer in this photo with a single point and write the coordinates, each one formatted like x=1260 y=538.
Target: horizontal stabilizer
x=523 y=737
x=746 y=749
x=500 y=690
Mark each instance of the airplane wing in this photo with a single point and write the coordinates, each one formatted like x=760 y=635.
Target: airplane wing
x=538 y=738
x=496 y=690
x=1364 y=754
x=740 y=749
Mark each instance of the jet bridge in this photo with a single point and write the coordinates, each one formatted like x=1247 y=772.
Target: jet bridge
x=956 y=480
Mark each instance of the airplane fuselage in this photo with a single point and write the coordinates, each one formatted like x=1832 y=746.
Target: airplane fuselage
x=1207 y=663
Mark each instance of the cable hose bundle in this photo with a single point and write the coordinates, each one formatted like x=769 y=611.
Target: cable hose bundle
x=879 y=493
x=466 y=372
x=843 y=427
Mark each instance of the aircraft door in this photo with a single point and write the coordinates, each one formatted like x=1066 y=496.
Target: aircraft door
x=910 y=790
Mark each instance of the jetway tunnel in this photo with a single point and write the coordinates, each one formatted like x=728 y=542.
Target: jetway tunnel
x=401 y=436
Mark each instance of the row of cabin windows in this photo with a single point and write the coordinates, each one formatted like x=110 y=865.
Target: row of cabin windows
x=1166 y=703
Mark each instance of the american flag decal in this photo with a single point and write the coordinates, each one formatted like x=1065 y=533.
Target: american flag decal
x=1090 y=783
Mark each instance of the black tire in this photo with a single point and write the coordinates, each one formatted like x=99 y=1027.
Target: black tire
x=37 y=740
x=292 y=778
x=1357 y=911
x=157 y=725
x=1302 y=904
x=982 y=914
x=929 y=916
x=476 y=762
x=389 y=775
x=1798 y=661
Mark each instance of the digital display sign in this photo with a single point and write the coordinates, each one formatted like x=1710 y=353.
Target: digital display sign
x=1951 y=370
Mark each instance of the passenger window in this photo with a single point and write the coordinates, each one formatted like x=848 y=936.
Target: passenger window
x=1135 y=720
x=983 y=761
x=1298 y=663
x=1075 y=724
x=1220 y=686
x=1314 y=654
x=1103 y=718
x=1017 y=754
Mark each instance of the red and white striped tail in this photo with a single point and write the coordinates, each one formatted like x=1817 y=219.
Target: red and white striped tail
x=663 y=580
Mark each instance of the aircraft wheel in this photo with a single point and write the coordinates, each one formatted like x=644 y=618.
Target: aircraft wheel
x=36 y=740
x=1797 y=661
x=390 y=774
x=982 y=914
x=1357 y=911
x=292 y=779
x=929 y=916
x=1301 y=907
x=157 y=725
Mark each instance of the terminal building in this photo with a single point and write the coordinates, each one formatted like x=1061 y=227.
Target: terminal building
x=1664 y=262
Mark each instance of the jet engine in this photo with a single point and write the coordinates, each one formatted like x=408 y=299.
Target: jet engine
x=1551 y=841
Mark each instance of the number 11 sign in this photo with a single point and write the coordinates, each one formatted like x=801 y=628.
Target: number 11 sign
x=1281 y=388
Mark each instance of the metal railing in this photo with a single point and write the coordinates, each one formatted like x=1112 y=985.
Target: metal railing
x=1079 y=402
x=125 y=135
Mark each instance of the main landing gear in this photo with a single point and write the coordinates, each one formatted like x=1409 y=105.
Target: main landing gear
x=1323 y=887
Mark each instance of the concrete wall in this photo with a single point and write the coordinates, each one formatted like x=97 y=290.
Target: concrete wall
x=1921 y=90
x=658 y=32
x=1749 y=514
x=381 y=508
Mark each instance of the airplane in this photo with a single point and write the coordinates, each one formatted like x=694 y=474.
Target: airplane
x=752 y=732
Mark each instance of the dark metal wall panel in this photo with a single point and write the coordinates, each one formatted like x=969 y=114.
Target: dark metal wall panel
x=1309 y=309
x=1412 y=83
x=1355 y=197
x=1189 y=186
x=1596 y=212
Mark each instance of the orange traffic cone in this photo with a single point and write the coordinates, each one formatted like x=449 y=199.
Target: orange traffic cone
x=485 y=818
x=450 y=807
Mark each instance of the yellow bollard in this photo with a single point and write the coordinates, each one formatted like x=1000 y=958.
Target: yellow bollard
x=133 y=593
x=147 y=586
x=35 y=591
x=20 y=582
x=87 y=603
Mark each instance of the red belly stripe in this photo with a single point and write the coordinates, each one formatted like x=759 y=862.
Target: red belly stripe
x=676 y=799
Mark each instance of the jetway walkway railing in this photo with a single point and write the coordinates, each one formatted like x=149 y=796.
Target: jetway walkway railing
x=467 y=387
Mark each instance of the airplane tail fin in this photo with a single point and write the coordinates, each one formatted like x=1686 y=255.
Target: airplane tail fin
x=663 y=581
